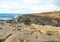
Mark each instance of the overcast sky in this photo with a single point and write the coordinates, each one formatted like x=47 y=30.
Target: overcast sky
x=28 y=6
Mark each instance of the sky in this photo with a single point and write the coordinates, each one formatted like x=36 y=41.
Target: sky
x=28 y=6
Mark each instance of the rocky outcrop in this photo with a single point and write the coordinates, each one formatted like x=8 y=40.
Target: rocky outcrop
x=41 y=20
x=47 y=18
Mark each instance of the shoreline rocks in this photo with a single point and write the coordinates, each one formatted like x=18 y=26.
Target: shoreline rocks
x=41 y=20
x=30 y=28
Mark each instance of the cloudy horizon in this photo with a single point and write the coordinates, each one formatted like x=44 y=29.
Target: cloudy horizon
x=28 y=6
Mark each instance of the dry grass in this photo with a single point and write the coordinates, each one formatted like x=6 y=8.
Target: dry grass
x=49 y=14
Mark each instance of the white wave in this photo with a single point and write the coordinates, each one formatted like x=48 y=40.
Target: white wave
x=15 y=16
x=5 y=18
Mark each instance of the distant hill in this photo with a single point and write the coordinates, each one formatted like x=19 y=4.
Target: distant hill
x=55 y=14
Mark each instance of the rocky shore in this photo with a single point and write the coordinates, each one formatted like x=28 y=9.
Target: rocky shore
x=31 y=28
x=41 y=20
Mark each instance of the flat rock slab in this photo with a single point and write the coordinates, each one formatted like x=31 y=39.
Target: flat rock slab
x=4 y=34
x=45 y=38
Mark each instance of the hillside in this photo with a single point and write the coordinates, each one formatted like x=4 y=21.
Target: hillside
x=55 y=14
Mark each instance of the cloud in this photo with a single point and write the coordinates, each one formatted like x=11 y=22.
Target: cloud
x=31 y=1
x=57 y=2
x=28 y=6
x=41 y=5
x=7 y=0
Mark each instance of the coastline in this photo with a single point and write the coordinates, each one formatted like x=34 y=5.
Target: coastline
x=30 y=28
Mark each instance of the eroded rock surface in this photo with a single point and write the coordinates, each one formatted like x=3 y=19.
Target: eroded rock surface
x=47 y=29
x=30 y=33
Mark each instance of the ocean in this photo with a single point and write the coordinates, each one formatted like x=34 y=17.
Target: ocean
x=8 y=16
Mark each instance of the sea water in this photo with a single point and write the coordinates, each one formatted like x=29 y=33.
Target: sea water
x=8 y=16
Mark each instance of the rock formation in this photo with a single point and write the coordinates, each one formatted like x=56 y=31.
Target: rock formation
x=31 y=28
x=41 y=20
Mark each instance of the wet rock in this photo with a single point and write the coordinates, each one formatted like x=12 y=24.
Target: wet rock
x=0 y=28
x=12 y=21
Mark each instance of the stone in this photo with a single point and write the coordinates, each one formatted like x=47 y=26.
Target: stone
x=49 y=30
x=27 y=31
x=17 y=37
x=4 y=34
x=41 y=20
x=41 y=37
